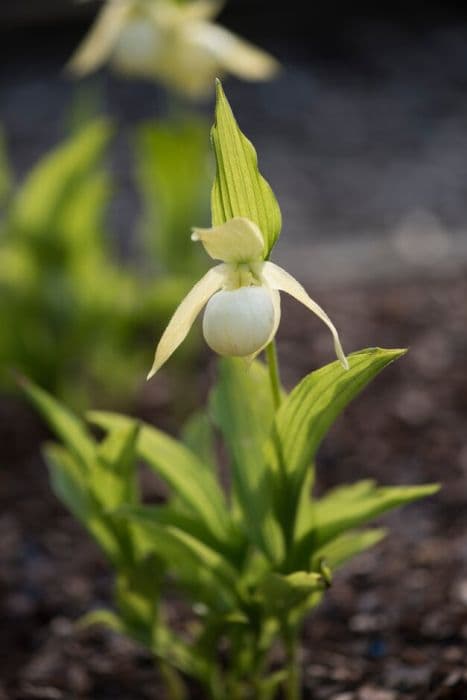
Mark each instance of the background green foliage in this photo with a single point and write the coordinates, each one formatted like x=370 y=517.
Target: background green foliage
x=174 y=173
x=74 y=317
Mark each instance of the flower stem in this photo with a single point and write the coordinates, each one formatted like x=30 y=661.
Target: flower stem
x=293 y=680
x=284 y=519
x=292 y=689
x=273 y=366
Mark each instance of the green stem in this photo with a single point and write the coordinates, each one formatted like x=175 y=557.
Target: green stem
x=293 y=682
x=273 y=366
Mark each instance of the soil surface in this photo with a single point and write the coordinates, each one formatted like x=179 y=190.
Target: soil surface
x=394 y=624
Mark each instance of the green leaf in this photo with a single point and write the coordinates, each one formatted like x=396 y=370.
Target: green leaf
x=87 y=478
x=202 y=570
x=281 y=593
x=63 y=422
x=242 y=406
x=173 y=173
x=348 y=507
x=70 y=486
x=113 y=475
x=137 y=594
x=169 y=516
x=46 y=192
x=81 y=230
x=168 y=646
x=55 y=270
x=307 y=511
x=346 y=546
x=335 y=513
x=239 y=189
x=181 y=469
x=198 y=435
x=68 y=482
x=310 y=409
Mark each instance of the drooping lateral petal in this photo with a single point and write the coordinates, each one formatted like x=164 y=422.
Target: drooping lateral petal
x=185 y=315
x=99 y=42
x=279 y=279
x=234 y=54
x=239 y=240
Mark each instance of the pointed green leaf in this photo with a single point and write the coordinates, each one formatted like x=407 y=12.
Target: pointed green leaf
x=70 y=486
x=202 y=570
x=348 y=507
x=336 y=514
x=347 y=546
x=310 y=409
x=239 y=189
x=173 y=173
x=137 y=595
x=196 y=487
x=113 y=476
x=63 y=422
x=79 y=228
x=89 y=479
x=280 y=593
x=68 y=482
x=198 y=435
x=242 y=406
x=304 y=515
x=181 y=655
x=307 y=512
x=169 y=516
x=46 y=191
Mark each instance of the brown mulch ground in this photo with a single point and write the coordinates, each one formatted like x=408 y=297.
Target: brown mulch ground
x=394 y=624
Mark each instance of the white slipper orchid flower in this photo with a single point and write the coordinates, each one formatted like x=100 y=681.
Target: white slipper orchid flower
x=175 y=43
x=241 y=296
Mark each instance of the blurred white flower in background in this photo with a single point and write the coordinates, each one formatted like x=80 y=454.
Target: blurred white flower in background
x=174 y=43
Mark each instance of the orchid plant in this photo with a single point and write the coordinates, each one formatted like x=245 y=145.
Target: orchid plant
x=252 y=562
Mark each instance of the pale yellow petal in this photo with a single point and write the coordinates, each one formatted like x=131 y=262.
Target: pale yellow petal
x=234 y=54
x=169 y=14
x=202 y=9
x=237 y=241
x=99 y=42
x=185 y=315
x=279 y=279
